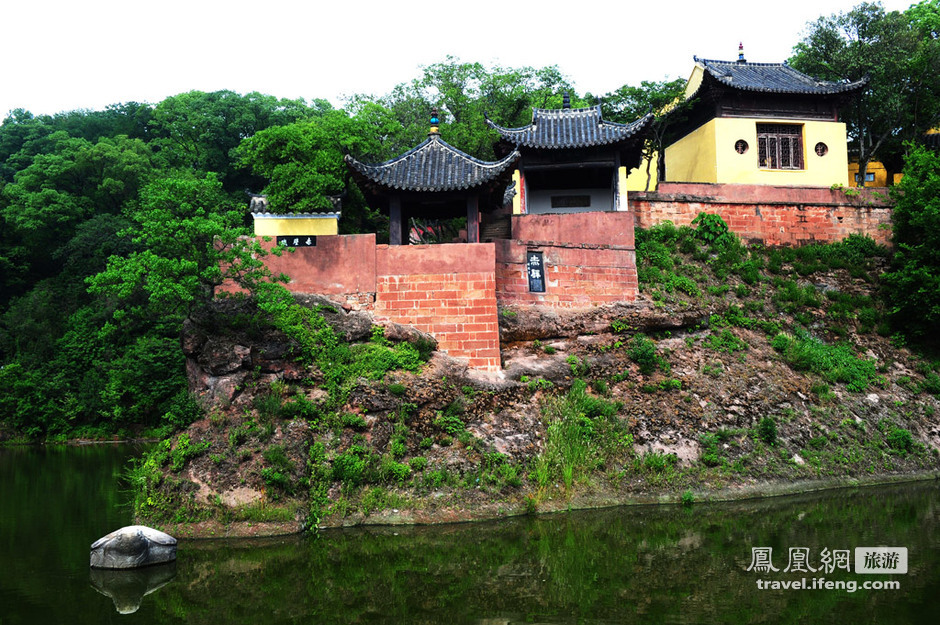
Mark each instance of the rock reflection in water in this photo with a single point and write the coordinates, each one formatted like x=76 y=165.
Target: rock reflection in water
x=128 y=587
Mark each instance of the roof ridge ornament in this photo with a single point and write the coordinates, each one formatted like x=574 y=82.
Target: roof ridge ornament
x=435 y=124
x=741 y=58
x=566 y=101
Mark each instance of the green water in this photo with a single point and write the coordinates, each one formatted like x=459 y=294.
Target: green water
x=626 y=565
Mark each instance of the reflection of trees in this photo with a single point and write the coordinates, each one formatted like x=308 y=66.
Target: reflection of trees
x=643 y=564
x=54 y=502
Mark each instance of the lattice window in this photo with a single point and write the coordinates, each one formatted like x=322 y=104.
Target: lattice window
x=779 y=146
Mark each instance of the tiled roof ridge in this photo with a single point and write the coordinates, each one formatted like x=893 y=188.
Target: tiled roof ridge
x=736 y=62
x=419 y=165
x=428 y=144
x=530 y=136
x=795 y=81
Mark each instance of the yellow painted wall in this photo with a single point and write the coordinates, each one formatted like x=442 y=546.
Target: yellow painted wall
x=636 y=181
x=707 y=154
x=874 y=167
x=695 y=80
x=517 y=198
x=285 y=225
x=692 y=158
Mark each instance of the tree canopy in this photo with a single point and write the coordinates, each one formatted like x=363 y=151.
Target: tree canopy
x=899 y=53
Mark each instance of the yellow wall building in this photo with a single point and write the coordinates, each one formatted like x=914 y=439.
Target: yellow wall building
x=757 y=123
x=274 y=225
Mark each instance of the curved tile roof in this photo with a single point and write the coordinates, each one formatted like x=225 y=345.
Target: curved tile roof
x=773 y=78
x=569 y=128
x=434 y=165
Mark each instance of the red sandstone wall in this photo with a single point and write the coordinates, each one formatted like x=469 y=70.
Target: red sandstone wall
x=771 y=215
x=340 y=267
x=448 y=291
x=608 y=228
x=589 y=260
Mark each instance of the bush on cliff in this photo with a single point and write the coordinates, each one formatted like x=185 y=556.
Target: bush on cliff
x=912 y=288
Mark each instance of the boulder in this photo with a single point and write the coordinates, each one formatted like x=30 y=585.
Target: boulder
x=132 y=547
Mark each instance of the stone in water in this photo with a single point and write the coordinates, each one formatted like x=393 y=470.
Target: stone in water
x=131 y=547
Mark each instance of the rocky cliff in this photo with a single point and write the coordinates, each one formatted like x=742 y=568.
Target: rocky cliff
x=738 y=390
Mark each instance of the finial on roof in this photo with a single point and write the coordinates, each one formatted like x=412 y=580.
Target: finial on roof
x=435 y=122
x=741 y=58
x=566 y=101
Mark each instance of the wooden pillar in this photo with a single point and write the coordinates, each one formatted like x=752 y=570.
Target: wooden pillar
x=473 y=219
x=394 y=220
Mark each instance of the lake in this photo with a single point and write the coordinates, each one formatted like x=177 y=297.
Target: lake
x=640 y=564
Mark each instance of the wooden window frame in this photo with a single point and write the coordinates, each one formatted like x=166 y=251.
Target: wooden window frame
x=780 y=147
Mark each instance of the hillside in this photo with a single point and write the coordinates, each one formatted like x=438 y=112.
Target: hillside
x=741 y=371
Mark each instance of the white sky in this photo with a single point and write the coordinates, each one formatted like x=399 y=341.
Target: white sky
x=61 y=55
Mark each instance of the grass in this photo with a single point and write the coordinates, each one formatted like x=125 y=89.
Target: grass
x=835 y=363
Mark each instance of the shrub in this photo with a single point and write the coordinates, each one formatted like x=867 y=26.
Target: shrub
x=657 y=462
x=642 y=351
x=912 y=287
x=900 y=440
x=350 y=467
x=712 y=230
x=767 y=430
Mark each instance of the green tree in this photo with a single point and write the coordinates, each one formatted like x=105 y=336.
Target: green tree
x=59 y=190
x=190 y=242
x=899 y=53
x=196 y=130
x=912 y=288
x=303 y=162
x=467 y=93
x=629 y=103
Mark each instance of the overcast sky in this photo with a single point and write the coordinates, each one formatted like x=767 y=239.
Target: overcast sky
x=63 y=55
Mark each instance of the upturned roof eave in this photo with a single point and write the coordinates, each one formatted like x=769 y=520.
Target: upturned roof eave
x=621 y=133
x=820 y=88
x=491 y=170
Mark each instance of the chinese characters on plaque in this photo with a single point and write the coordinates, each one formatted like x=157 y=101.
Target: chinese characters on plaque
x=303 y=240
x=535 y=269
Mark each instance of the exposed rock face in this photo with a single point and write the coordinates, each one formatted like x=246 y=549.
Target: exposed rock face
x=221 y=360
x=132 y=547
x=538 y=323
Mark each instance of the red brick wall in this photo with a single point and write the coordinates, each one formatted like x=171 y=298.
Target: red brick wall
x=589 y=260
x=448 y=291
x=771 y=215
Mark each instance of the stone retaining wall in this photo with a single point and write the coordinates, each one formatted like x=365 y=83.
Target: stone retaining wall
x=773 y=216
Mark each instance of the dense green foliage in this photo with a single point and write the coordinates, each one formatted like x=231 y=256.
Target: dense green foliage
x=913 y=285
x=899 y=53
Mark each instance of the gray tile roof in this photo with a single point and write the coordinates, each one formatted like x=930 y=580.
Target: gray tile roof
x=435 y=165
x=569 y=128
x=772 y=78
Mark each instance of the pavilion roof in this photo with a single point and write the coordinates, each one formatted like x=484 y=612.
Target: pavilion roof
x=434 y=165
x=570 y=128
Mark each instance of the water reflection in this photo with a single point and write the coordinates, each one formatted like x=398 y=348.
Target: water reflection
x=642 y=564
x=626 y=565
x=128 y=587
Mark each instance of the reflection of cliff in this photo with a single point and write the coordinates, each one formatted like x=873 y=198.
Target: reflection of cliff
x=639 y=564
x=128 y=587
